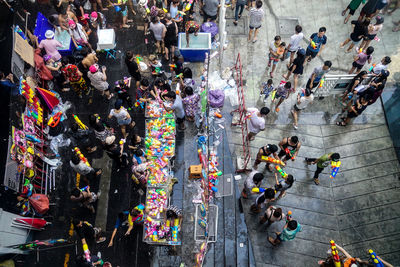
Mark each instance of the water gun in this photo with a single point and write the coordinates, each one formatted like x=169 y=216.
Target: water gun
x=202 y=223
x=55 y=119
x=79 y=122
x=335 y=170
x=139 y=103
x=180 y=15
x=86 y=251
x=138 y=59
x=258 y=190
x=273 y=95
x=288 y=216
x=147 y=8
x=289 y=153
x=313 y=45
x=335 y=254
x=272 y=160
x=172 y=66
x=372 y=67
x=165 y=10
x=20 y=32
x=377 y=262
x=281 y=172
x=32 y=138
x=218 y=115
x=321 y=83
x=360 y=51
x=212 y=187
x=189 y=5
x=81 y=156
x=84 y=188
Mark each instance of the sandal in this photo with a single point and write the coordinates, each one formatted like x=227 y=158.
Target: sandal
x=343 y=12
x=340 y=123
x=100 y=240
x=316 y=181
x=271 y=240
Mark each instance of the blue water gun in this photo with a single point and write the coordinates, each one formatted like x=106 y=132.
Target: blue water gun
x=377 y=262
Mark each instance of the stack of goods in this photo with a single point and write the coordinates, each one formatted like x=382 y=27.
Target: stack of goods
x=160 y=138
x=156 y=110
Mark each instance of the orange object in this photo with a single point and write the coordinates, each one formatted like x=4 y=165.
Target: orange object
x=218 y=115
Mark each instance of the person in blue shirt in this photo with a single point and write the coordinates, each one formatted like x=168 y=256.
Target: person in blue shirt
x=317 y=44
x=7 y=84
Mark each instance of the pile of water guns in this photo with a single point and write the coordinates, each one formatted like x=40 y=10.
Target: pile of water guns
x=213 y=172
x=158 y=149
x=81 y=156
x=161 y=128
x=35 y=110
x=155 y=110
x=155 y=230
x=159 y=173
x=156 y=202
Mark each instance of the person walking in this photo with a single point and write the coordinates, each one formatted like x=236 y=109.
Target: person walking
x=372 y=32
x=296 y=67
x=239 y=10
x=256 y=121
x=177 y=107
x=304 y=98
x=317 y=44
x=171 y=37
x=290 y=147
x=354 y=4
x=360 y=31
x=368 y=10
x=122 y=116
x=322 y=162
x=272 y=214
x=209 y=9
x=318 y=74
x=288 y=233
x=282 y=93
x=98 y=79
x=361 y=59
x=159 y=31
x=275 y=54
x=294 y=44
x=267 y=151
x=256 y=16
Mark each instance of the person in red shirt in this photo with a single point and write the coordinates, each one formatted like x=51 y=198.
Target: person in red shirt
x=75 y=77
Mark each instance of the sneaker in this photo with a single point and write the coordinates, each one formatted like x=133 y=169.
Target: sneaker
x=100 y=240
x=295 y=126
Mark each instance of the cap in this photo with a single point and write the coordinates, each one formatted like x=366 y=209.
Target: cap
x=94 y=68
x=49 y=34
x=110 y=139
x=86 y=16
x=93 y=15
x=46 y=57
x=71 y=22
x=302 y=51
x=385 y=73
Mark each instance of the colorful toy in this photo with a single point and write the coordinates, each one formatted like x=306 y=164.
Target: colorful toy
x=289 y=153
x=281 y=172
x=321 y=83
x=272 y=160
x=313 y=45
x=174 y=230
x=377 y=262
x=258 y=190
x=335 y=254
x=81 y=156
x=156 y=202
x=79 y=122
x=218 y=115
x=189 y=5
x=55 y=119
x=372 y=67
x=34 y=107
x=335 y=165
x=84 y=188
x=288 y=216
x=155 y=109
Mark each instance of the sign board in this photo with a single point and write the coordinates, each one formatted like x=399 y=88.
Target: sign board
x=23 y=49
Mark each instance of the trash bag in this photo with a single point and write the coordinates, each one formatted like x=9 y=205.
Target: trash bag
x=40 y=203
x=216 y=98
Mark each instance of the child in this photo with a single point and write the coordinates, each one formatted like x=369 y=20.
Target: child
x=296 y=67
x=155 y=65
x=267 y=196
x=361 y=59
x=191 y=103
x=253 y=181
x=283 y=185
x=274 y=56
x=267 y=88
x=122 y=93
x=282 y=92
x=354 y=4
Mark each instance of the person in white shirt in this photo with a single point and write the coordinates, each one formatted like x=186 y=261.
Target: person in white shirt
x=294 y=44
x=381 y=66
x=303 y=99
x=256 y=121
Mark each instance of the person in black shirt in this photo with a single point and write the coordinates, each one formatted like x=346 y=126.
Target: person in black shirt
x=170 y=39
x=267 y=196
x=356 y=109
x=86 y=231
x=359 y=32
x=297 y=67
x=133 y=68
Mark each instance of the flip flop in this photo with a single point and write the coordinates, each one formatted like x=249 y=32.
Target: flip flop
x=343 y=12
x=316 y=181
x=100 y=240
x=255 y=40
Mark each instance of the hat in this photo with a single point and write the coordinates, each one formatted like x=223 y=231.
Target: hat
x=110 y=139
x=94 y=68
x=86 y=16
x=49 y=34
x=385 y=73
x=71 y=22
x=46 y=57
x=302 y=51
x=93 y=15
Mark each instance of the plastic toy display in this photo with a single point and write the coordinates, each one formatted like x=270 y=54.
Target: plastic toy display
x=155 y=110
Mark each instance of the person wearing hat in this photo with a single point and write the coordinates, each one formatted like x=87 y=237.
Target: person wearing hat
x=50 y=45
x=373 y=30
x=78 y=35
x=98 y=79
x=116 y=152
x=296 y=67
x=322 y=162
x=191 y=27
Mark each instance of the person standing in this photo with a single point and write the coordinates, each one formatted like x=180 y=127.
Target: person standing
x=274 y=57
x=210 y=9
x=368 y=9
x=190 y=27
x=272 y=214
x=361 y=59
x=288 y=233
x=282 y=92
x=256 y=121
x=50 y=45
x=133 y=67
x=296 y=67
x=122 y=116
x=291 y=145
x=98 y=79
x=75 y=77
x=86 y=231
x=177 y=107
x=267 y=151
x=303 y=100
x=256 y=17
x=171 y=36
x=354 y=4
x=318 y=74
x=317 y=44
x=252 y=181
x=322 y=162
x=372 y=32
x=159 y=31
x=383 y=65
x=238 y=14
x=294 y=44
x=191 y=103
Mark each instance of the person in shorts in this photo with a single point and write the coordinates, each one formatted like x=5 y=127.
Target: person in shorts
x=361 y=59
x=296 y=67
x=288 y=233
x=354 y=4
x=318 y=74
x=264 y=198
x=372 y=32
x=317 y=44
x=282 y=92
x=170 y=38
x=268 y=151
x=252 y=181
x=272 y=214
x=177 y=107
x=303 y=99
x=359 y=32
x=294 y=44
x=276 y=50
x=256 y=17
